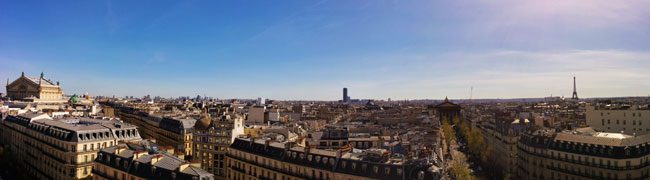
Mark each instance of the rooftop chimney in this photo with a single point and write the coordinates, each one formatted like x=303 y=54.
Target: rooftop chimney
x=307 y=148
x=287 y=146
x=119 y=149
x=138 y=154
x=183 y=166
x=156 y=158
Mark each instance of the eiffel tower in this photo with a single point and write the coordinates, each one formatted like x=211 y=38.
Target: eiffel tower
x=575 y=93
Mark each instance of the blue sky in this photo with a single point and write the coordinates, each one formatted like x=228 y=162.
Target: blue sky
x=311 y=49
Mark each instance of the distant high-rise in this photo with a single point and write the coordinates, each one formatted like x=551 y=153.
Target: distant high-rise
x=575 y=92
x=261 y=101
x=345 y=95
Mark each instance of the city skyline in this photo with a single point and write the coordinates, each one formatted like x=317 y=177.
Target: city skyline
x=311 y=49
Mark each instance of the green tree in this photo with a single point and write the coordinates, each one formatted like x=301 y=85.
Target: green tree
x=459 y=168
x=506 y=177
x=477 y=144
x=448 y=132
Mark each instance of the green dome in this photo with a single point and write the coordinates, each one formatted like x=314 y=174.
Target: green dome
x=74 y=99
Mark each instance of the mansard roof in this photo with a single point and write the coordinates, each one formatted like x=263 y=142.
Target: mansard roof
x=34 y=80
x=334 y=161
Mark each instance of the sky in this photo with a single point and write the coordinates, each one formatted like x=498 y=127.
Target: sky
x=310 y=50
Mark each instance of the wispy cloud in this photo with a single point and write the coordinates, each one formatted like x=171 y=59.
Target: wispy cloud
x=158 y=57
x=175 y=10
x=505 y=74
x=111 y=22
x=587 y=13
x=290 y=19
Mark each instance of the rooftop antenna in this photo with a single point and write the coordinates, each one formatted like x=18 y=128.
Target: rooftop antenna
x=471 y=93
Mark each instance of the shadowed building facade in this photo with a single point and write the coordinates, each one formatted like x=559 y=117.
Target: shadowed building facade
x=140 y=161
x=447 y=110
x=168 y=131
x=61 y=148
x=263 y=159
x=212 y=137
x=582 y=154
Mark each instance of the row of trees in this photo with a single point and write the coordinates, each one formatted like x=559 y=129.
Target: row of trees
x=476 y=142
x=458 y=167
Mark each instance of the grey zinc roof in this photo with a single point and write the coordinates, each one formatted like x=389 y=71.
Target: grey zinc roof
x=602 y=138
x=168 y=162
x=84 y=124
x=196 y=171
x=37 y=79
x=188 y=122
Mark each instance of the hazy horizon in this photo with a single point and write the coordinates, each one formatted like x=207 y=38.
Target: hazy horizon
x=310 y=50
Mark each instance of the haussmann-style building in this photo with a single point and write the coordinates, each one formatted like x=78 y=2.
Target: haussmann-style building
x=62 y=148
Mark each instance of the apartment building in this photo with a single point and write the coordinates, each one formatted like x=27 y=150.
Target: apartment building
x=263 y=159
x=619 y=118
x=141 y=161
x=582 y=154
x=61 y=148
x=212 y=137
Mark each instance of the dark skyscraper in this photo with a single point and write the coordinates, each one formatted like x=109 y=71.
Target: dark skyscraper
x=345 y=95
x=575 y=92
